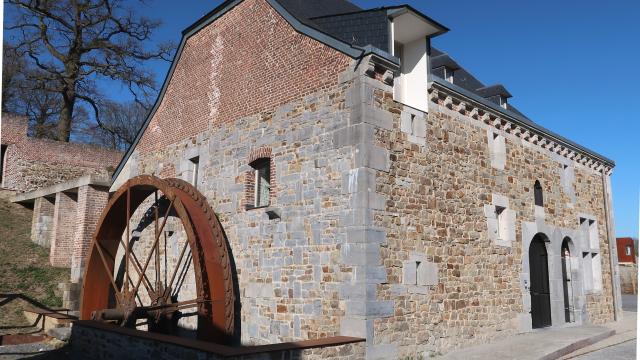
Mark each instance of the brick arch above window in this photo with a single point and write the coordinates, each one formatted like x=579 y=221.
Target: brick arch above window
x=259 y=153
x=256 y=158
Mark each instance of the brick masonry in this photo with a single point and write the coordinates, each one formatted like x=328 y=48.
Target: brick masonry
x=64 y=224
x=384 y=228
x=31 y=163
x=91 y=202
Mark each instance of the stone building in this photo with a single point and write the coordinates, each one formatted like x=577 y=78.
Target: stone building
x=370 y=186
x=29 y=163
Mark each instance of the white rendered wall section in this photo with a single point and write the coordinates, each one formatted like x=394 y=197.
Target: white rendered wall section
x=410 y=88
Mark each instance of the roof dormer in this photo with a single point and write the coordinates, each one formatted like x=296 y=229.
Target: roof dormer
x=444 y=66
x=409 y=33
x=495 y=93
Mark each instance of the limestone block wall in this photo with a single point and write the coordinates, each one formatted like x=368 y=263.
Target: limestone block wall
x=64 y=225
x=437 y=192
x=284 y=94
x=42 y=222
x=629 y=278
x=288 y=268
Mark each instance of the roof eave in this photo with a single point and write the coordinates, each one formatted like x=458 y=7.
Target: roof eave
x=394 y=11
x=523 y=121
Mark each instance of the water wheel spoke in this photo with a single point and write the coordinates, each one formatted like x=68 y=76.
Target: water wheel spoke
x=182 y=275
x=108 y=271
x=155 y=223
x=126 y=259
x=175 y=270
x=138 y=268
x=175 y=201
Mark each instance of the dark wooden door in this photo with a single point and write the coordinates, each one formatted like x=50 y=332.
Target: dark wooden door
x=539 y=275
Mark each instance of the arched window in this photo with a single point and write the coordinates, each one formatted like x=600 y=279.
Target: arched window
x=537 y=193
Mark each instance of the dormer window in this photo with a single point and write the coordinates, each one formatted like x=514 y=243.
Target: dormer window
x=409 y=38
x=502 y=101
x=448 y=74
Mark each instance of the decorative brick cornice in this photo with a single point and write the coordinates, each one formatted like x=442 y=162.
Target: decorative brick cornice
x=454 y=101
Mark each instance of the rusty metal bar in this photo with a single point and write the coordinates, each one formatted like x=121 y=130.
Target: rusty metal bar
x=106 y=268
x=164 y=222
x=157 y=260
x=137 y=268
x=175 y=270
x=126 y=249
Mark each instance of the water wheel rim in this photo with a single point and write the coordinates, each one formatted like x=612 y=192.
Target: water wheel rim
x=205 y=238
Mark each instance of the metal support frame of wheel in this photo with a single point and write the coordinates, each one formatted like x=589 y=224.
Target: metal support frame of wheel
x=106 y=298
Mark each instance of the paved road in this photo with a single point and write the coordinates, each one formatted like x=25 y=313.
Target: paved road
x=624 y=351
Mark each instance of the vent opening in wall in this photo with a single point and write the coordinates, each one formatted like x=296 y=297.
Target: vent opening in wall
x=195 y=170
x=537 y=194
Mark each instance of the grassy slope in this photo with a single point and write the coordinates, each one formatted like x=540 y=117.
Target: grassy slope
x=24 y=266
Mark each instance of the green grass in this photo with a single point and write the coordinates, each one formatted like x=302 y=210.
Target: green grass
x=24 y=266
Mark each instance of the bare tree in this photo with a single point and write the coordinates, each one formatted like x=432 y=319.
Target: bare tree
x=24 y=96
x=74 y=42
x=12 y=64
x=120 y=125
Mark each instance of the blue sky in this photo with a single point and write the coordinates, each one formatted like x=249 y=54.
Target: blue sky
x=572 y=66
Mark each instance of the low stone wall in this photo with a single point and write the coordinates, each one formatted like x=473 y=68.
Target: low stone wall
x=629 y=278
x=99 y=341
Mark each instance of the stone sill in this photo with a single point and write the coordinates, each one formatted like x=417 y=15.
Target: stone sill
x=271 y=211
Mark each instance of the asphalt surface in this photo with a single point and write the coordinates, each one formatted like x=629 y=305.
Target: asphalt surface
x=624 y=351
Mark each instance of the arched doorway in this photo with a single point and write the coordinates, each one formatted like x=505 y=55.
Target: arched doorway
x=567 y=286
x=539 y=276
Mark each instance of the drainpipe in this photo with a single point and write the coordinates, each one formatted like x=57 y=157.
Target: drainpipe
x=613 y=253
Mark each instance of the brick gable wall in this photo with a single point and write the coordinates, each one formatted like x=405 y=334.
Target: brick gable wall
x=235 y=67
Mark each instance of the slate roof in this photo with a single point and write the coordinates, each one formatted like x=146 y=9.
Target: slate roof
x=310 y=9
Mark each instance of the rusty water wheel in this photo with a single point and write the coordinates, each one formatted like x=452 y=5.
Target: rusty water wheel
x=109 y=298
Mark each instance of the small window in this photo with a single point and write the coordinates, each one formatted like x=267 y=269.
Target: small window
x=502 y=101
x=502 y=223
x=537 y=193
x=195 y=169
x=262 y=182
x=627 y=250
x=448 y=75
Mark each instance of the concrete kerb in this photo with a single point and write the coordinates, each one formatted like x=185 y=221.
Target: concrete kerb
x=578 y=345
x=545 y=344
